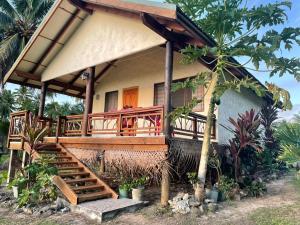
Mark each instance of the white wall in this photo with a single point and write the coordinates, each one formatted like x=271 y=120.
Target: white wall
x=233 y=103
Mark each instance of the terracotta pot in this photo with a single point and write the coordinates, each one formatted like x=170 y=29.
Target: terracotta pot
x=138 y=194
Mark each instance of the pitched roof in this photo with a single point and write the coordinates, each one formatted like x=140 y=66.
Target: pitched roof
x=66 y=16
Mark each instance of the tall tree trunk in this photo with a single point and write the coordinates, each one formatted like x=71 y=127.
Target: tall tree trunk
x=207 y=131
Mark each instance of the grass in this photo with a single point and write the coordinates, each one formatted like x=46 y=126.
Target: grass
x=285 y=215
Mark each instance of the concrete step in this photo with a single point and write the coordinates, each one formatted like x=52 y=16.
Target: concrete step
x=106 y=209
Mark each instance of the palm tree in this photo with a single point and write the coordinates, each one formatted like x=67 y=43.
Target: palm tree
x=6 y=107
x=18 y=21
x=53 y=110
x=6 y=104
x=26 y=99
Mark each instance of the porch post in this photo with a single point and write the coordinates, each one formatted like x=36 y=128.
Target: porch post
x=165 y=182
x=12 y=165
x=167 y=88
x=88 y=99
x=42 y=99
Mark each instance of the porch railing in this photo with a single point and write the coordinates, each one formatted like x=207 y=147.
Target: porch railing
x=133 y=122
x=192 y=125
x=18 y=122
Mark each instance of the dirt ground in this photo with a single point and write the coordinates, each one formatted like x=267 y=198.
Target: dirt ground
x=280 y=206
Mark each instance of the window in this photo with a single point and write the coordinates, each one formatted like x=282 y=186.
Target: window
x=111 y=101
x=180 y=97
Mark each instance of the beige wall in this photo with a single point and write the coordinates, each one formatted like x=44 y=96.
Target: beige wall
x=142 y=70
x=102 y=37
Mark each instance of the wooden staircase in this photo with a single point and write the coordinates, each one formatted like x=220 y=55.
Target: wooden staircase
x=74 y=179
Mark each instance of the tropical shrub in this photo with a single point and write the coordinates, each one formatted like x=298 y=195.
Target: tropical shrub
x=256 y=188
x=193 y=178
x=227 y=187
x=35 y=183
x=289 y=135
x=3 y=177
x=269 y=157
x=245 y=144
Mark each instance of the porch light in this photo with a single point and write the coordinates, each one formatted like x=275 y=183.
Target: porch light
x=84 y=75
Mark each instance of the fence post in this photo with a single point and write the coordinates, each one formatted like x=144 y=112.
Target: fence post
x=58 y=128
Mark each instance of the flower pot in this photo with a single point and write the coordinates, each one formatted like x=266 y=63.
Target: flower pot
x=123 y=193
x=137 y=194
x=214 y=195
x=207 y=193
x=15 y=191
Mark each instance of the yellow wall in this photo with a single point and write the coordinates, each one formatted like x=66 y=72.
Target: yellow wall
x=102 y=37
x=143 y=70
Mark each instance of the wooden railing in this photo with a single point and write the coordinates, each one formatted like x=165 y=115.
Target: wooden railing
x=132 y=122
x=17 y=126
x=18 y=121
x=192 y=125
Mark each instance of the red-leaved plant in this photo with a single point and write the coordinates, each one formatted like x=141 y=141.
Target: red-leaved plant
x=246 y=135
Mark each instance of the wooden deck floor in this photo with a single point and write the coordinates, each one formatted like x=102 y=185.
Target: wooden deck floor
x=110 y=143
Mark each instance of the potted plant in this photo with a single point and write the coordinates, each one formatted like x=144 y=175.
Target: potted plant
x=18 y=184
x=214 y=194
x=138 y=186
x=197 y=185
x=124 y=188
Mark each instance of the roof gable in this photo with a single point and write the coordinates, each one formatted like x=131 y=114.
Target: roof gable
x=101 y=38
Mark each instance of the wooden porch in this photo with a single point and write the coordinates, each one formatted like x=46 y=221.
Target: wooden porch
x=136 y=128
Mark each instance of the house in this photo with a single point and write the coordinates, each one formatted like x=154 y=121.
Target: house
x=121 y=56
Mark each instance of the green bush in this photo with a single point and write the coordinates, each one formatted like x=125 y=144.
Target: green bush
x=139 y=182
x=227 y=187
x=256 y=188
x=3 y=177
x=35 y=183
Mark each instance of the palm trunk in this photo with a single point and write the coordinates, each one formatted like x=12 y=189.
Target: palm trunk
x=207 y=131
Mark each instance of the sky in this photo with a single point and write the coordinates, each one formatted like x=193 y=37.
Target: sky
x=287 y=82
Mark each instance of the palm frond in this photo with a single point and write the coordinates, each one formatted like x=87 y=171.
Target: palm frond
x=5 y=21
x=7 y=7
x=9 y=47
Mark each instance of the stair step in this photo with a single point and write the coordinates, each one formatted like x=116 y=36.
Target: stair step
x=50 y=149
x=74 y=174
x=51 y=153
x=63 y=157
x=63 y=163
x=74 y=181
x=88 y=187
x=70 y=168
x=93 y=196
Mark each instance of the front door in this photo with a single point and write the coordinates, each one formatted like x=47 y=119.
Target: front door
x=130 y=97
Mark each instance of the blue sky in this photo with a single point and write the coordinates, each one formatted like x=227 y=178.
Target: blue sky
x=286 y=82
